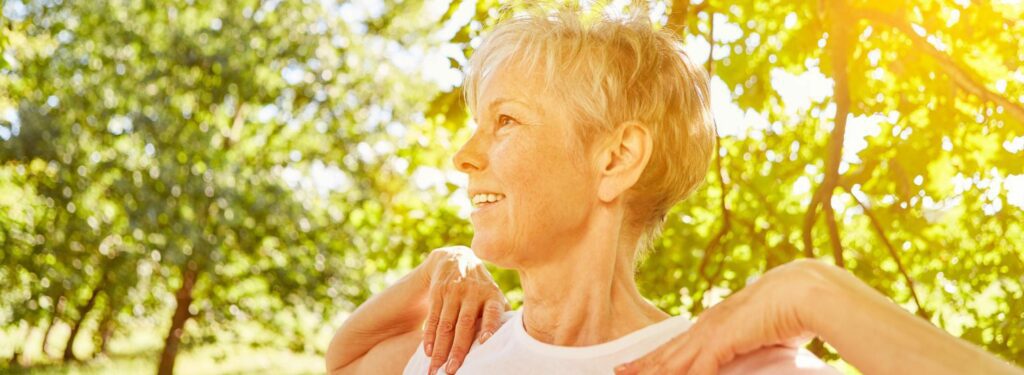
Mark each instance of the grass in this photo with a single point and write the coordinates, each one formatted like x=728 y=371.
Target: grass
x=219 y=359
x=139 y=352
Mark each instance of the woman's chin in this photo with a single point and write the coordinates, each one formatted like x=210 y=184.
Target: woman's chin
x=488 y=250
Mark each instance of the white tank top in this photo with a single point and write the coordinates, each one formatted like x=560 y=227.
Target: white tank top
x=513 y=351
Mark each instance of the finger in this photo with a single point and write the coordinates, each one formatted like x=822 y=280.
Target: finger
x=666 y=358
x=645 y=363
x=445 y=334
x=491 y=319
x=632 y=368
x=655 y=368
x=681 y=359
x=465 y=328
x=705 y=364
x=433 y=318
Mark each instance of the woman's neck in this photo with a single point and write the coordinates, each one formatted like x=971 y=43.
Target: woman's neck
x=585 y=294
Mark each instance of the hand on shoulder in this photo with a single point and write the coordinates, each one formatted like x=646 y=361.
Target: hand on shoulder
x=767 y=313
x=465 y=304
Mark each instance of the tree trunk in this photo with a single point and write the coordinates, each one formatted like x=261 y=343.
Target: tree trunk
x=69 y=353
x=840 y=50
x=57 y=311
x=106 y=328
x=839 y=42
x=20 y=347
x=46 y=336
x=181 y=315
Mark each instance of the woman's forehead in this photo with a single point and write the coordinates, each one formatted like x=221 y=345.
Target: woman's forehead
x=511 y=84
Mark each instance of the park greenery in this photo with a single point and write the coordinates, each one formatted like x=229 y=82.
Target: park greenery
x=184 y=176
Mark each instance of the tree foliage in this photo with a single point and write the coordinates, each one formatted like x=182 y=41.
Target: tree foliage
x=234 y=162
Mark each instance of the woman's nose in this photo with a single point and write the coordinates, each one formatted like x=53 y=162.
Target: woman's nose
x=469 y=158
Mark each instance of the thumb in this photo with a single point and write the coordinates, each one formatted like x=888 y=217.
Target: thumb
x=628 y=368
x=634 y=367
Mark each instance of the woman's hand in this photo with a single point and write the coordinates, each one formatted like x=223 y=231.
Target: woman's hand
x=465 y=303
x=765 y=313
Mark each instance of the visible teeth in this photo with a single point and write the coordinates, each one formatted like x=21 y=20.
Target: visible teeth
x=487 y=198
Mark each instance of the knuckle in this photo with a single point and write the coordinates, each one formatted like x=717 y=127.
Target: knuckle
x=491 y=325
x=701 y=336
x=458 y=351
x=438 y=358
x=446 y=326
x=467 y=320
x=455 y=287
x=473 y=287
x=493 y=307
x=437 y=292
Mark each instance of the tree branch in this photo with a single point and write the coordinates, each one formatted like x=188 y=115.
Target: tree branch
x=833 y=234
x=839 y=50
x=963 y=77
x=784 y=245
x=680 y=12
x=716 y=241
x=808 y=225
x=677 y=18
x=760 y=237
x=895 y=256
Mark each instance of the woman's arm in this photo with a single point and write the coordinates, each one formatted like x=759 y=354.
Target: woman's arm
x=392 y=318
x=806 y=298
x=878 y=337
x=451 y=290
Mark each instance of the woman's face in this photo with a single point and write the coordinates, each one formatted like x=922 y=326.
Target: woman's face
x=524 y=157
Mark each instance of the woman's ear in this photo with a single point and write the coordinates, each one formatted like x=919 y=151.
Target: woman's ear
x=623 y=159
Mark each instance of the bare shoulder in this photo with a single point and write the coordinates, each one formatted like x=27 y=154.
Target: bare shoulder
x=779 y=360
x=388 y=357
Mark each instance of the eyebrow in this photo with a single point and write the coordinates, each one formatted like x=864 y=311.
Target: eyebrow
x=499 y=101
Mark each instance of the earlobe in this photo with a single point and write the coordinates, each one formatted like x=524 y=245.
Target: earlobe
x=624 y=159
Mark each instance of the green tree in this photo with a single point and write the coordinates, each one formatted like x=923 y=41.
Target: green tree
x=240 y=162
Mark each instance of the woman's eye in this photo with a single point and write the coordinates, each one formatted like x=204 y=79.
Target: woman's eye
x=505 y=120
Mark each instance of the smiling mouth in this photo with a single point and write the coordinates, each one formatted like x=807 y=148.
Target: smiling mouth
x=483 y=200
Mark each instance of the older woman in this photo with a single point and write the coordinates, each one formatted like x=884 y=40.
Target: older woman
x=588 y=132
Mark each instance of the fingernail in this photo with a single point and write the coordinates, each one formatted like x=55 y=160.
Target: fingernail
x=427 y=348
x=452 y=366
x=621 y=369
x=432 y=371
x=484 y=337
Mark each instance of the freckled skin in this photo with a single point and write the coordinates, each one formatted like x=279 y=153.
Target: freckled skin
x=530 y=157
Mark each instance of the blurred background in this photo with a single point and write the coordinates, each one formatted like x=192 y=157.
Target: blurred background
x=210 y=187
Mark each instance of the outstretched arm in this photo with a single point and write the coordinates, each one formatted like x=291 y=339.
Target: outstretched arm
x=878 y=337
x=807 y=298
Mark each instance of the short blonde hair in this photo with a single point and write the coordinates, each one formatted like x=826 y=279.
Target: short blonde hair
x=610 y=71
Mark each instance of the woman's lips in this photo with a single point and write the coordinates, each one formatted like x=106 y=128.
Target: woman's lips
x=482 y=207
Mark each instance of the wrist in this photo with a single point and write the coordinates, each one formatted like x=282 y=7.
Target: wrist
x=822 y=298
x=425 y=270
